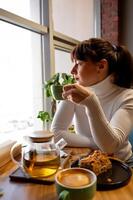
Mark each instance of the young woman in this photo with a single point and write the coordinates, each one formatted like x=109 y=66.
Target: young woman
x=101 y=101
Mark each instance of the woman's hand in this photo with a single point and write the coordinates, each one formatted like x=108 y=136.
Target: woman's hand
x=75 y=93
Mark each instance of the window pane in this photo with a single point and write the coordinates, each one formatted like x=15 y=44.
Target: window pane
x=25 y=8
x=20 y=78
x=63 y=62
x=75 y=19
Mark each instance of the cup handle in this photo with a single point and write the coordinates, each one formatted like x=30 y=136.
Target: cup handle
x=15 y=151
x=64 y=195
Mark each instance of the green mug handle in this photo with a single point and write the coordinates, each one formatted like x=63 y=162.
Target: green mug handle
x=64 y=195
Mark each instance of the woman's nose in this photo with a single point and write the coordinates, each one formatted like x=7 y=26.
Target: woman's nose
x=74 y=69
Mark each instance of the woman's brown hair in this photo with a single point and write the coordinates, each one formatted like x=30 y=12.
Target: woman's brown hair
x=119 y=59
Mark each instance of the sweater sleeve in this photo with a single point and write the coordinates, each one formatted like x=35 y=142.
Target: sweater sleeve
x=109 y=136
x=62 y=119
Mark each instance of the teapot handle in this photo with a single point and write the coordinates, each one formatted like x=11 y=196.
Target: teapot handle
x=16 y=153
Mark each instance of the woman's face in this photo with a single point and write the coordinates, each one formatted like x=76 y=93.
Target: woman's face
x=85 y=72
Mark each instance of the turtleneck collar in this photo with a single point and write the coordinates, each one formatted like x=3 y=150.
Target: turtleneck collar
x=105 y=87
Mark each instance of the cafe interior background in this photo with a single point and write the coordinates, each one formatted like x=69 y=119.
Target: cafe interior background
x=36 y=38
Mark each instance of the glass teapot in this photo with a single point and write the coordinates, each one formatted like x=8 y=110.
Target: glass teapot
x=40 y=157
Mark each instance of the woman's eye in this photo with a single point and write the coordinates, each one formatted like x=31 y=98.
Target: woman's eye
x=80 y=64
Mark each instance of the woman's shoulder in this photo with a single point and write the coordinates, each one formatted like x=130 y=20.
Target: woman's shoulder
x=126 y=92
x=125 y=97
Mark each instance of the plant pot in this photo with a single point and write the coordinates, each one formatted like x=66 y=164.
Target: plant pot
x=56 y=91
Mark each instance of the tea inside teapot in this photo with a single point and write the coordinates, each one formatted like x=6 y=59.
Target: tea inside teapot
x=41 y=158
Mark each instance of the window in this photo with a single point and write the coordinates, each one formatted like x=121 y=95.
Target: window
x=21 y=74
x=30 y=52
x=76 y=18
x=29 y=9
x=62 y=61
x=20 y=78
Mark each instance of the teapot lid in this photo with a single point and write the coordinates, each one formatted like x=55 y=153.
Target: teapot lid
x=40 y=136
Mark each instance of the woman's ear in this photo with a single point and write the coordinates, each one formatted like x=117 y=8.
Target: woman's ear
x=102 y=65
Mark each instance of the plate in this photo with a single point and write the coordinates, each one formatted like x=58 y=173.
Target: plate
x=116 y=177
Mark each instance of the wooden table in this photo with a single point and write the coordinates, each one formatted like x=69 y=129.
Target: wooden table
x=31 y=191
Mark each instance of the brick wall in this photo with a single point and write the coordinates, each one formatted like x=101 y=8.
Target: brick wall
x=109 y=20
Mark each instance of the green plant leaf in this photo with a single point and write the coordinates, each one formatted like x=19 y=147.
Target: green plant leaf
x=44 y=116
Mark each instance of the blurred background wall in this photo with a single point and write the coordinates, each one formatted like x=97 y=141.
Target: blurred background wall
x=125 y=23
x=109 y=20
x=116 y=22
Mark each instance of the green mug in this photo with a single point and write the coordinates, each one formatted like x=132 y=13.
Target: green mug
x=75 y=184
x=56 y=91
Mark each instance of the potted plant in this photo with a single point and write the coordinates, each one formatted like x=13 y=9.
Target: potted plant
x=45 y=118
x=54 y=86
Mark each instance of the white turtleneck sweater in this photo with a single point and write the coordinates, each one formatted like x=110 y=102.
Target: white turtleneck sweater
x=102 y=121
